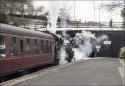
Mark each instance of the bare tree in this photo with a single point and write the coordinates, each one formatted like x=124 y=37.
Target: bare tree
x=114 y=6
x=41 y=11
x=12 y=6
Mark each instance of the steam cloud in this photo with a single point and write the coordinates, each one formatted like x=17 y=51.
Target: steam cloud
x=54 y=11
x=86 y=42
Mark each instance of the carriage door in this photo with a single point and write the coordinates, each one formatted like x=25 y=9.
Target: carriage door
x=21 y=48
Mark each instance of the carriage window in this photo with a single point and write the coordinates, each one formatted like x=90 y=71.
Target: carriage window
x=21 y=46
x=2 y=46
x=28 y=46
x=50 y=50
x=14 y=47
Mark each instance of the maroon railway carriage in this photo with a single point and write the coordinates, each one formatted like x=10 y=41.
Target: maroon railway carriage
x=21 y=49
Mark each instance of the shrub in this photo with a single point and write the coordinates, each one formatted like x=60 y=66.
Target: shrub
x=3 y=17
x=122 y=53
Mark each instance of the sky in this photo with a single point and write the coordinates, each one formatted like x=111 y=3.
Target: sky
x=84 y=10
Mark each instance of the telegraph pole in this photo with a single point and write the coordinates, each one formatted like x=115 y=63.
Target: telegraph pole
x=124 y=12
x=74 y=10
x=94 y=9
x=22 y=8
x=124 y=3
x=99 y=18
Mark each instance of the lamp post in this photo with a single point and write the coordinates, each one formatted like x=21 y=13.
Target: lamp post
x=99 y=14
x=74 y=9
x=22 y=11
x=22 y=8
x=124 y=15
x=62 y=17
x=94 y=10
x=99 y=18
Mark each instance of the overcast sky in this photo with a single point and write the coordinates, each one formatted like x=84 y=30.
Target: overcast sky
x=84 y=10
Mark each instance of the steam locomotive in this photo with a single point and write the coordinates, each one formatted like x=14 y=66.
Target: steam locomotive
x=22 y=49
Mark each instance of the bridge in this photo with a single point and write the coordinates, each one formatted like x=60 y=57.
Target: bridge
x=115 y=36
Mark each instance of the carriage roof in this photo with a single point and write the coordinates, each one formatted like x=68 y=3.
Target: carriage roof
x=9 y=29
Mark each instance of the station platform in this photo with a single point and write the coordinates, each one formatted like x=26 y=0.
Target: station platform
x=99 y=71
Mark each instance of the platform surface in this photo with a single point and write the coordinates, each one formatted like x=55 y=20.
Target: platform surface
x=100 y=71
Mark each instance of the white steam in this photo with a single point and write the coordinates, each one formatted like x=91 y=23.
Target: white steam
x=62 y=56
x=86 y=43
x=102 y=38
x=54 y=11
